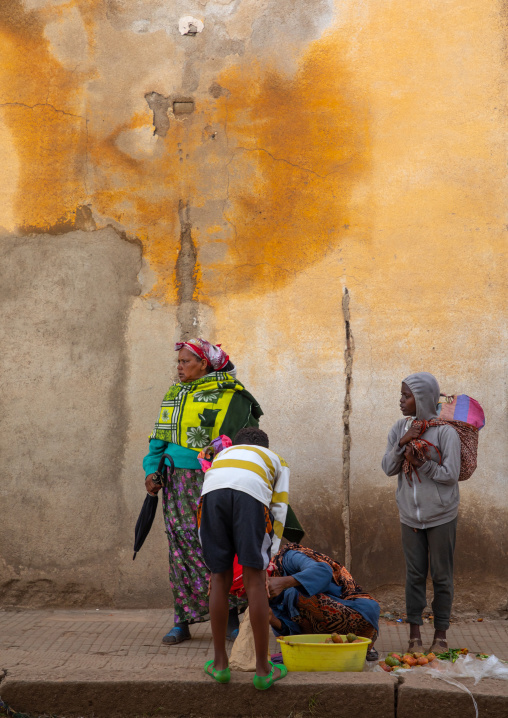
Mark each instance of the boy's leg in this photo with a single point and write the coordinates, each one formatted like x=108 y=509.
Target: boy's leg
x=441 y=547
x=416 y=553
x=253 y=540
x=219 y=612
x=254 y=581
x=215 y=532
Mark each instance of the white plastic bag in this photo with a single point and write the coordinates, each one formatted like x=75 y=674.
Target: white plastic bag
x=469 y=667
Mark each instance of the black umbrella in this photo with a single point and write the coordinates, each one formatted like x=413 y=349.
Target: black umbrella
x=149 y=508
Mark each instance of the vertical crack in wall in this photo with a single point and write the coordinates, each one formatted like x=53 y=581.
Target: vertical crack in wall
x=186 y=269
x=346 y=440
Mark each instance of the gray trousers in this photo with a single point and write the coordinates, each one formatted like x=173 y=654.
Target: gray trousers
x=420 y=545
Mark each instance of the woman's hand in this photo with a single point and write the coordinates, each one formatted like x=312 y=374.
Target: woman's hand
x=278 y=584
x=411 y=433
x=412 y=458
x=152 y=488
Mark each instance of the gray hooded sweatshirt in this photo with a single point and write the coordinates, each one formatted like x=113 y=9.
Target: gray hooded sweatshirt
x=434 y=500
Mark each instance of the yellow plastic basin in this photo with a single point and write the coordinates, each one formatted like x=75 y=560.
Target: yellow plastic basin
x=311 y=653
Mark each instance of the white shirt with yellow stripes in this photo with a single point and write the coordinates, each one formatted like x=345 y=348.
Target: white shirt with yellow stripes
x=256 y=471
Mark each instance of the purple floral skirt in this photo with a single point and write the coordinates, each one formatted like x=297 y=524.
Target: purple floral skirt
x=188 y=575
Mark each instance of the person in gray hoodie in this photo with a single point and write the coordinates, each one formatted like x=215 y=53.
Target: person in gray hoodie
x=428 y=501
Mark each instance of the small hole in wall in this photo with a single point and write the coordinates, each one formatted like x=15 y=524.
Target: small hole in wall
x=183 y=107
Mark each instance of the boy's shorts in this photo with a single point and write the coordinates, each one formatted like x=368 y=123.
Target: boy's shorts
x=232 y=522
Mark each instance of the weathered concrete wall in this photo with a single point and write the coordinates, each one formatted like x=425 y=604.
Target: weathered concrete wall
x=329 y=147
x=65 y=306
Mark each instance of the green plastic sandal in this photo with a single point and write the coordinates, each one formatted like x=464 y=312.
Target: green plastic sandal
x=262 y=683
x=223 y=676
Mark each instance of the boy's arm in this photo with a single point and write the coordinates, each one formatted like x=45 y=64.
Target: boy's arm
x=394 y=454
x=447 y=472
x=279 y=505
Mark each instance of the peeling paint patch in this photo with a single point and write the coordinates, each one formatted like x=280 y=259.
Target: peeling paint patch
x=159 y=106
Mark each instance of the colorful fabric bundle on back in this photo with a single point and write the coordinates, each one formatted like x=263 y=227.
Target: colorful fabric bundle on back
x=468 y=435
x=461 y=408
x=467 y=418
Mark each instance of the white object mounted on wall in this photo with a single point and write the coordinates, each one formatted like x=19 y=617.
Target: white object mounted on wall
x=190 y=25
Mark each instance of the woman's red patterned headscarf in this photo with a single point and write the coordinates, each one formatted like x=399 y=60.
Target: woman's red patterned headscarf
x=214 y=355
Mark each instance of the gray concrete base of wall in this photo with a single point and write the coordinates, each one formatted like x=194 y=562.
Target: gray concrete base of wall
x=185 y=693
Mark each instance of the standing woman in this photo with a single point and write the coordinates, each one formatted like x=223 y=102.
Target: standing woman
x=206 y=402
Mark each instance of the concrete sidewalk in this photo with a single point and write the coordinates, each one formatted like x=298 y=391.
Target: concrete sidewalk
x=109 y=663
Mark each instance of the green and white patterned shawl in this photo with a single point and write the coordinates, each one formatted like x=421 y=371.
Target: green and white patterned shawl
x=193 y=414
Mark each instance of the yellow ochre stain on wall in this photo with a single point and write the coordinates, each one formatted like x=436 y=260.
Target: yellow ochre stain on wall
x=41 y=105
x=298 y=145
x=295 y=147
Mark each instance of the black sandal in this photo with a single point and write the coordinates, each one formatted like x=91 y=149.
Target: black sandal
x=372 y=654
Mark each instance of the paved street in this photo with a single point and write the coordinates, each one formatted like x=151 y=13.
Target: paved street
x=131 y=640
x=111 y=664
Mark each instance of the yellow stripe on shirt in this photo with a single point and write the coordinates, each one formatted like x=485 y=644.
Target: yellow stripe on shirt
x=278 y=528
x=241 y=464
x=262 y=454
x=282 y=461
x=281 y=497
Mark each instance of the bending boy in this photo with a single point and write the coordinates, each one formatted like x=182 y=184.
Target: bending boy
x=243 y=511
x=428 y=500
